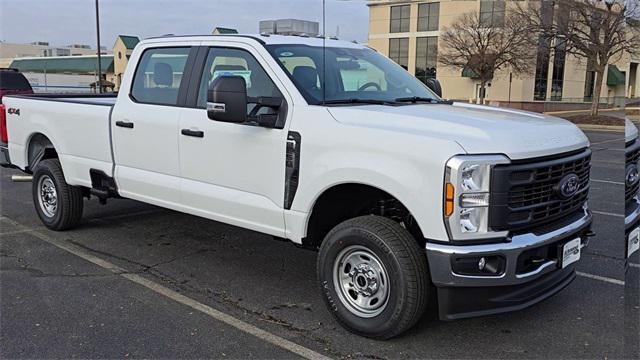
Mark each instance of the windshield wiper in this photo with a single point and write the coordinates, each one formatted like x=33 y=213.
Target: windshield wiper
x=415 y=99
x=358 y=101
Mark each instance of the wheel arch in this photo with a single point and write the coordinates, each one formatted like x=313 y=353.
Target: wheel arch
x=345 y=200
x=39 y=147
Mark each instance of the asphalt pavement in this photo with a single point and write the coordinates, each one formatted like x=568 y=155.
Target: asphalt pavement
x=138 y=281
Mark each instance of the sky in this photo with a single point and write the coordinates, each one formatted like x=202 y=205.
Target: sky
x=65 y=22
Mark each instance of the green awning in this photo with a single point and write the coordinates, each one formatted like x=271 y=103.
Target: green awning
x=469 y=73
x=615 y=77
x=87 y=64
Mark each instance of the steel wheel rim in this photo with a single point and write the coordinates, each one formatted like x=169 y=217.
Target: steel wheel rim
x=47 y=196
x=361 y=281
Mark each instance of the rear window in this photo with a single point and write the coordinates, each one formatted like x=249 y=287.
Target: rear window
x=13 y=80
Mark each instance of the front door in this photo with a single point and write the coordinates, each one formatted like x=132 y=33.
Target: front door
x=145 y=128
x=234 y=173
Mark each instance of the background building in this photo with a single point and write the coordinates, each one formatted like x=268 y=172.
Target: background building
x=122 y=49
x=408 y=32
x=64 y=73
x=10 y=51
x=290 y=27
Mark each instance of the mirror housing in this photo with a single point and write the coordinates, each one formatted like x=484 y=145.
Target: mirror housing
x=434 y=85
x=227 y=99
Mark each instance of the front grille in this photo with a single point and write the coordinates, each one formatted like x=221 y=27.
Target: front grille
x=525 y=195
x=632 y=155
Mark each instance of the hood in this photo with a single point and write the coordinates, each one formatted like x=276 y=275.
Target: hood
x=630 y=131
x=477 y=129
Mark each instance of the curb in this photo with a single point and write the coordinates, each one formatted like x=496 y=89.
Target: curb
x=580 y=111
x=613 y=128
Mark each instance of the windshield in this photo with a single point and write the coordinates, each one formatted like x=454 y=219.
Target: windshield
x=351 y=75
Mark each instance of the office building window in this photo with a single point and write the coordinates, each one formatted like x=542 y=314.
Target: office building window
x=399 y=51
x=426 y=57
x=492 y=13
x=400 y=18
x=557 y=80
x=542 y=70
x=428 y=15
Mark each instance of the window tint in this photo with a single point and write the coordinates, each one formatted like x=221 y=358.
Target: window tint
x=236 y=62
x=399 y=51
x=159 y=74
x=492 y=13
x=13 y=80
x=400 y=17
x=428 y=15
x=426 y=57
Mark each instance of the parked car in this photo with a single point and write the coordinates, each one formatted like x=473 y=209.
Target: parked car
x=12 y=82
x=405 y=196
x=632 y=188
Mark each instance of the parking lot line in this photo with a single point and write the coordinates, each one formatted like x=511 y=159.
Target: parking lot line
x=601 y=278
x=605 y=141
x=607 y=213
x=166 y=292
x=634 y=265
x=608 y=182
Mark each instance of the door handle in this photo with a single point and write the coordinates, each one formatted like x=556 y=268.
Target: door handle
x=124 y=124
x=194 y=133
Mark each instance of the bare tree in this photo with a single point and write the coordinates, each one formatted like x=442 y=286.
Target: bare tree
x=472 y=45
x=595 y=31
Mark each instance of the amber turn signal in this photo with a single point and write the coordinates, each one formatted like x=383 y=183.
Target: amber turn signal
x=448 y=199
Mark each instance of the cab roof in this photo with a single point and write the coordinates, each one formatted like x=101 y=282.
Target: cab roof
x=262 y=39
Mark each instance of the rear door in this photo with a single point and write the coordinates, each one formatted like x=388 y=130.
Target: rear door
x=145 y=126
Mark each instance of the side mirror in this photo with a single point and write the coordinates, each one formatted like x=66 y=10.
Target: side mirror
x=227 y=99
x=435 y=86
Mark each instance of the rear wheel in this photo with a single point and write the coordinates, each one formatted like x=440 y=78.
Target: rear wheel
x=374 y=276
x=58 y=204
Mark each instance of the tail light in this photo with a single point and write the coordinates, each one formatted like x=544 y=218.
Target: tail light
x=4 y=136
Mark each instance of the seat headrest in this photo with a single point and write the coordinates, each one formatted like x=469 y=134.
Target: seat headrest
x=306 y=76
x=163 y=74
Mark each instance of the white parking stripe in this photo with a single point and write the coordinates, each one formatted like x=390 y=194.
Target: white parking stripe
x=164 y=291
x=601 y=278
x=605 y=141
x=607 y=213
x=608 y=182
x=634 y=265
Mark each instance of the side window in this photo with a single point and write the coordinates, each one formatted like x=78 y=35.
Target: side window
x=158 y=76
x=236 y=62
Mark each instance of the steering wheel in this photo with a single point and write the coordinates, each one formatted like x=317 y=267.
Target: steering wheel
x=370 y=84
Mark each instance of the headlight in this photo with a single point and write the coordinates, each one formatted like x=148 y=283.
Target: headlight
x=467 y=199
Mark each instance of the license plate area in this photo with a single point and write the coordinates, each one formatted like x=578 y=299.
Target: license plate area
x=570 y=252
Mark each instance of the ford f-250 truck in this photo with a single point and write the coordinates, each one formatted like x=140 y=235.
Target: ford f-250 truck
x=334 y=147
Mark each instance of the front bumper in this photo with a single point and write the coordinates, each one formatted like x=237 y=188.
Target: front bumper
x=462 y=296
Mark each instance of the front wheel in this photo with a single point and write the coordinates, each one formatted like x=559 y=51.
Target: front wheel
x=58 y=204
x=374 y=276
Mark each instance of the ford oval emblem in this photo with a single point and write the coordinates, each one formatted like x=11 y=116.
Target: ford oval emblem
x=631 y=175
x=568 y=186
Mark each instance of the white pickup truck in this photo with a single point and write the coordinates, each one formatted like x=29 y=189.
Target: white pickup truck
x=334 y=147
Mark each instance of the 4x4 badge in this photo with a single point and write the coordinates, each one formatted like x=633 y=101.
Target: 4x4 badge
x=13 y=111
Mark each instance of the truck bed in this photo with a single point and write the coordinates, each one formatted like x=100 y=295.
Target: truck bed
x=77 y=126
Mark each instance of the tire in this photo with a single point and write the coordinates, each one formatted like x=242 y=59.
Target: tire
x=58 y=204
x=375 y=310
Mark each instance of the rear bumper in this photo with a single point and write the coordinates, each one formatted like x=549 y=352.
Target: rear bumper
x=5 y=161
x=519 y=284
